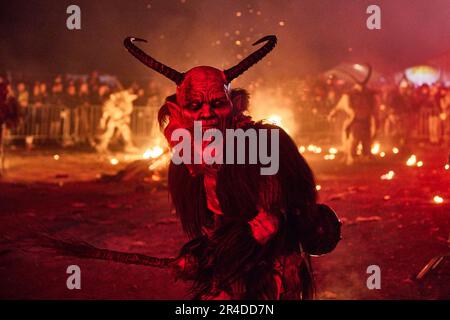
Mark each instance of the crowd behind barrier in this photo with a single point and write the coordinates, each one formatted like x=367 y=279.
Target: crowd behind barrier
x=68 y=110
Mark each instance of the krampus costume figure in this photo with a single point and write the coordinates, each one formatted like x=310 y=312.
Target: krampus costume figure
x=251 y=235
x=116 y=119
x=359 y=106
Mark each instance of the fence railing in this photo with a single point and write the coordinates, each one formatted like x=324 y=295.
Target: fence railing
x=59 y=123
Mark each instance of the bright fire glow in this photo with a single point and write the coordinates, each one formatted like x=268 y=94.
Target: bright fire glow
x=382 y=154
x=332 y=150
x=56 y=157
x=411 y=161
x=274 y=119
x=318 y=187
x=388 y=176
x=114 y=161
x=419 y=163
x=153 y=153
x=329 y=157
x=314 y=149
x=375 y=148
x=447 y=166
x=438 y=199
x=265 y=101
x=302 y=149
x=395 y=150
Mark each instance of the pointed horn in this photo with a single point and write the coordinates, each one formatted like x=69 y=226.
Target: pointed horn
x=253 y=58
x=166 y=71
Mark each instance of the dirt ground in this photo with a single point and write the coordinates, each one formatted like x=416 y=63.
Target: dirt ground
x=390 y=223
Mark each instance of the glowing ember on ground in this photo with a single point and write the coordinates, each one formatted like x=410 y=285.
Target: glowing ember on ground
x=395 y=150
x=388 y=176
x=329 y=157
x=447 y=166
x=375 y=148
x=274 y=119
x=382 y=154
x=419 y=163
x=56 y=157
x=411 y=161
x=333 y=150
x=438 y=199
x=301 y=149
x=114 y=161
x=318 y=187
x=314 y=149
x=153 y=153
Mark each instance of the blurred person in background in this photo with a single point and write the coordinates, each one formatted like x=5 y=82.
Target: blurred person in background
x=116 y=119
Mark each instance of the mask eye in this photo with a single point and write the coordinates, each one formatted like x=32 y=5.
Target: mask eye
x=195 y=105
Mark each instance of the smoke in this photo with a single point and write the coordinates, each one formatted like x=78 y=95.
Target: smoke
x=313 y=35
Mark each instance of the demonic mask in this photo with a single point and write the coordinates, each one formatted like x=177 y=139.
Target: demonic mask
x=203 y=93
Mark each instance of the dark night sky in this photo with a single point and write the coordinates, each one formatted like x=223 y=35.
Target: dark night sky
x=183 y=33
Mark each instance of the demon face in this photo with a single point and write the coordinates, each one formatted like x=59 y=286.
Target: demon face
x=204 y=96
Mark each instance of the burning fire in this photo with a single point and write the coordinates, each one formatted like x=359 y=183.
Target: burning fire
x=388 y=176
x=438 y=199
x=411 y=161
x=314 y=149
x=114 y=161
x=275 y=119
x=375 y=148
x=265 y=101
x=153 y=153
x=333 y=150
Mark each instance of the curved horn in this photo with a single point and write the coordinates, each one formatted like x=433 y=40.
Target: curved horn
x=253 y=58
x=166 y=71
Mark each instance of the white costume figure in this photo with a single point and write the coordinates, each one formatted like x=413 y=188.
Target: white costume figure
x=116 y=117
x=344 y=106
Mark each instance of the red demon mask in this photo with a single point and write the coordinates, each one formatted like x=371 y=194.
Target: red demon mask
x=203 y=93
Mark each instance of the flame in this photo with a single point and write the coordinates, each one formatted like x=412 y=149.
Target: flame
x=153 y=153
x=265 y=101
x=395 y=150
x=375 y=148
x=419 y=163
x=274 y=119
x=314 y=149
x=333 y=150
x=382 y=154
x=301 y=149
x=114 y=161
x=329 y=157
x=388 y=176
x=411 y=161
x=56 y=157
x=318 y=187
x=447 y=166
x=438 y=199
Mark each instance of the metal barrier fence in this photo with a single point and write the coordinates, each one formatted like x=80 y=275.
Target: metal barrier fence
x=58 y=123
x=61 y=124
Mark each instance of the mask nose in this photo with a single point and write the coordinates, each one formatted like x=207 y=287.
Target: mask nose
x=207 y=111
